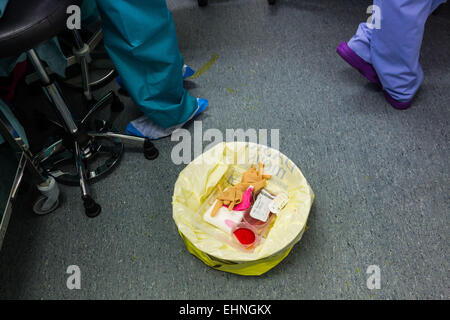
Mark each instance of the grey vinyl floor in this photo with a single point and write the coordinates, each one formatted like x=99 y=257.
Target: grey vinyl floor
x=380 y=176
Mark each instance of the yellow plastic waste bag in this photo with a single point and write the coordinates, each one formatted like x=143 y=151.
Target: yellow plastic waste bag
x=223 y=164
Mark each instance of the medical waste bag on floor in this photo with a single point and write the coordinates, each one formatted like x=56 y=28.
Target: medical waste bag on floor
x=253 y=234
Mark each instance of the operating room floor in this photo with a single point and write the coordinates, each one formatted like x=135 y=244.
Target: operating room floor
x=380 y=176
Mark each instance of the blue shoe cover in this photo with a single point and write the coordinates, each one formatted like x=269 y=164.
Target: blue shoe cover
x=145 y=127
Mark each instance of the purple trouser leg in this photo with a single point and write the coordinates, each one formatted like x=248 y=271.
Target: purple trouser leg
x=360 y=42
x=394 y=48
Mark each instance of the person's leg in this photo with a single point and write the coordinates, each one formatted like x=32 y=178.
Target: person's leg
x=357 y=52
x=141 y=40
x=360 y=42
x=395 y=47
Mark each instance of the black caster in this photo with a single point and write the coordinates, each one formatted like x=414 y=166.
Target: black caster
x=271 y=2
x=150 y=151
x=92 y=208
x=202 y=3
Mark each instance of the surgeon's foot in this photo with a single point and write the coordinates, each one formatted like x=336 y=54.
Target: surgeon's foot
x=397 y=104
x=144 y=127
x=365 y=68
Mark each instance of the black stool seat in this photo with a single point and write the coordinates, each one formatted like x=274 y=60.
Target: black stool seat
x=27 y=23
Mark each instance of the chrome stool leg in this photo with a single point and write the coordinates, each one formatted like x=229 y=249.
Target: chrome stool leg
x=53 y=93
x=81 y=52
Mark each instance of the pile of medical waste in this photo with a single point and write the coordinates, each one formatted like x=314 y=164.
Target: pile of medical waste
x=240 y=207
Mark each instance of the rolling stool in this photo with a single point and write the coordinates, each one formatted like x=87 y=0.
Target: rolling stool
x=26 y=24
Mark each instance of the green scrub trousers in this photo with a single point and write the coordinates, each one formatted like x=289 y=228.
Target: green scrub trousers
x=140 y=38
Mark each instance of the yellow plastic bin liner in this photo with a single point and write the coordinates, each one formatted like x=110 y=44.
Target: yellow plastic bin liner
x=223 y=164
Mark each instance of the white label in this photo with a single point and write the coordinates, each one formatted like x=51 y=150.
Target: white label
x=279 y=202
x=260 y=209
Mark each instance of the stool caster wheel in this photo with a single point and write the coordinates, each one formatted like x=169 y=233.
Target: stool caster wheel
x=271 y=2
x=202 y=3
x=150 y=151
x=49 y=199
x=39 y=204
x=92 y=208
